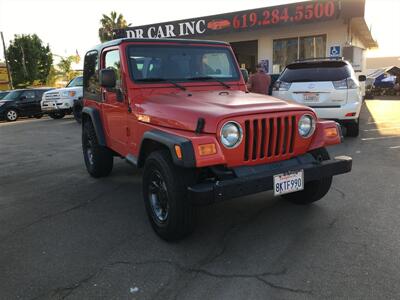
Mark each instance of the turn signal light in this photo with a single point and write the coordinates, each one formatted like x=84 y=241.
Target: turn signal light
x=143 y=118
x=207 y=149
x=178 y=151
x=331 y=132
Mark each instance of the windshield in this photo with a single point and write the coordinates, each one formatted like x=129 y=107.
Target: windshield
x=3 y=94
x=77 y=81
x=13 y=95
x=307 y=72
x=181 y=63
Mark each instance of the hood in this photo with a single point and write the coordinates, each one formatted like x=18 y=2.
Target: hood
x=182 y=110
x=78 y=89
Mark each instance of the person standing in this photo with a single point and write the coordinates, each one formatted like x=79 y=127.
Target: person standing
x=259 y=82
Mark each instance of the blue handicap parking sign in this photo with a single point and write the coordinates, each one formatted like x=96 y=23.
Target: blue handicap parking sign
x=334 y=51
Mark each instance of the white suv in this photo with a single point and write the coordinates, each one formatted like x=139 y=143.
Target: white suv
x=57 y=103
x=329 y=86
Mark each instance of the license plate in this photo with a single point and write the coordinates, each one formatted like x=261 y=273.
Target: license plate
x=311 y=97
x=288 y=182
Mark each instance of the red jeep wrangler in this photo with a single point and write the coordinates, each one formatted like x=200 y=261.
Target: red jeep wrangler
x=180 y=109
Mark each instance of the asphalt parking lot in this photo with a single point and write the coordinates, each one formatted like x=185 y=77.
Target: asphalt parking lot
x=66 y=235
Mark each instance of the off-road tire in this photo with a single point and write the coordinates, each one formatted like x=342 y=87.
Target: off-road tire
x=99 y=160
x=180 y=220
x=353 y=128
x=11 y=115
x=313 y=190
x=57 y=115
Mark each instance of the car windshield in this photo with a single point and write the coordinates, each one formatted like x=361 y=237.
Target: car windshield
x=13 y=95
x=77 y=81
x=319 y=71
x=3 y=94
x=158 y=63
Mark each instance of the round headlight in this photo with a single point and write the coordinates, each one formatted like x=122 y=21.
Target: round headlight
x=231 y=134
x=306 y=126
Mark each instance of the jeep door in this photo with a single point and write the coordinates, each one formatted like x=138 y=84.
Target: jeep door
x=114 y=107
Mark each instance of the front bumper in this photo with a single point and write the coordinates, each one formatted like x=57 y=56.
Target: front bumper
x=251 y=180
x=57 y=105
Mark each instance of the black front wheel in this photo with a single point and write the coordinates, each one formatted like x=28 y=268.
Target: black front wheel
x=99 y=160
x=57 y=115
x=170 y=212
x=313 y=190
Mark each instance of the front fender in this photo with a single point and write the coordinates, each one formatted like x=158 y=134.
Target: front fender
x=169 y=141
x=322 y=138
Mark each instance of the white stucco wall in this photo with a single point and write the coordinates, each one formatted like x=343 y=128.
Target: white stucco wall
x=336 y=34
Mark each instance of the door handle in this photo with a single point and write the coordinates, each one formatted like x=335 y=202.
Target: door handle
x=103 y=94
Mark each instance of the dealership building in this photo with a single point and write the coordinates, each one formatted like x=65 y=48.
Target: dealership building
x=278 y=35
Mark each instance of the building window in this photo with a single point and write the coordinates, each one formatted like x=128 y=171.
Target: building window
x=286 y=51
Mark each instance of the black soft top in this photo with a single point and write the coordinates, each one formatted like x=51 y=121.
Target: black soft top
x=116 y=42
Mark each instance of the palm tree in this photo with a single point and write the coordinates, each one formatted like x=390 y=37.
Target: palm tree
x=110 y=23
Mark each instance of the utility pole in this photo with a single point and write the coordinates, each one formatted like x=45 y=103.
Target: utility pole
x=7 y=65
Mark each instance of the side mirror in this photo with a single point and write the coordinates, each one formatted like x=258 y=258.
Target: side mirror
x=107 y=78
x=362 y=78
x=22 y=98
x=245 y=75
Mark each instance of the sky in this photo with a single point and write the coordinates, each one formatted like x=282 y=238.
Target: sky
x=72 y=25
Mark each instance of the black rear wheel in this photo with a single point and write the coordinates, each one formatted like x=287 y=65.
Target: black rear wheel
x=313 y=190
x=57 y=115
x=99 y=160
x=77 y=111
x=353 y=128
x=170 y=212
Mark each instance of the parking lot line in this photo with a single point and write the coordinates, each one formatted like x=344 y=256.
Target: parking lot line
x=378 y=129
x=380 y=138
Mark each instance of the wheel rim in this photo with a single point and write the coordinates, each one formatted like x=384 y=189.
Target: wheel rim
x=12 y=115
x=89 y=154
x=158 y=197
x=88 y=150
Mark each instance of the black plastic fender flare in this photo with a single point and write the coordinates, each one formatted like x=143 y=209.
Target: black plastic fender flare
x=169 y=140
x=94 y=116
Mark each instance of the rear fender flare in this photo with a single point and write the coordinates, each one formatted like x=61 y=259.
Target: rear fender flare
x=94 y=115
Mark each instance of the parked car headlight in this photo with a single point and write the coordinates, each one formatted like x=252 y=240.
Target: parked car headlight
x=231 y=134
x=68 y=93
x=2 y=103
x=306 y=126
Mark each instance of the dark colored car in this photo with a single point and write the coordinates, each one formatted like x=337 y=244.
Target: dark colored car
x=22 y=103
x=3 y=94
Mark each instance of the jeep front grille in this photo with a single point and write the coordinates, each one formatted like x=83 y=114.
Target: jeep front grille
x=269 y=138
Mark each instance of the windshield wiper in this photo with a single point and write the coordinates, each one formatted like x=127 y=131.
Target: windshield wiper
x=210 y=78
x=162 y=80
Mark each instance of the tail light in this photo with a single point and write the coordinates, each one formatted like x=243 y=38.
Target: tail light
x=281 y=86
x=348 y=83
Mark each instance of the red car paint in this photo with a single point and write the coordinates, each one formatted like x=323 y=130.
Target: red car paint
x=174 y=111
